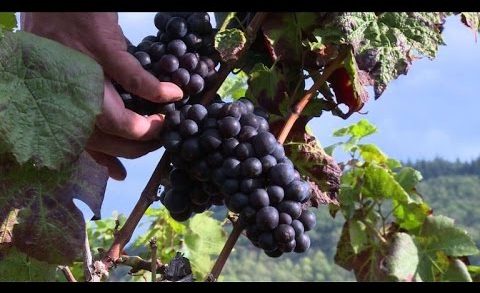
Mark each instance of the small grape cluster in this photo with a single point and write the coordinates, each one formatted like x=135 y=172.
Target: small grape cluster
x=182 y=52
x=225 y=154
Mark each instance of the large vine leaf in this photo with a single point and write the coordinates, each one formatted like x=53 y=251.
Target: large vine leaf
x=49 y=97
x=401 y=261
x=384 y=43
x=8 y=21
x=39 y=203
x=229 y=43
x=17 y=266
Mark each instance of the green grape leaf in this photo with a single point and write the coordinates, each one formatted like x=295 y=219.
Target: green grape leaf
x=16 y=266
x=401 y=260
x=408 y=178
x=345 y=256
x=49 y=98
x=234 y=86
x=371 y=153
x=380 y=184
x=358 y=236
x=204 y=240
x=411 y=215
x=440 y=233
x=48 y=225
x=384 y=43
x=8 y=21
x=321 y=170
x=474 y=272
x=358 y=130
x=229 y=43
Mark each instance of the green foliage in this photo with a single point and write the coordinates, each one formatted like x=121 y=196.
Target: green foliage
x=229 y=43
x=17 y=266
x=8 y=22
x=234 y=87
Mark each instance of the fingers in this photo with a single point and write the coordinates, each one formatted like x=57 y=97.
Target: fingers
x=116 y=170
x=119 y=147
x=117 y=120
x=122 y=67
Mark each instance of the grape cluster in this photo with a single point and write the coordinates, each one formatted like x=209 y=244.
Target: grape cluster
x=182 y=52
x=225 y=154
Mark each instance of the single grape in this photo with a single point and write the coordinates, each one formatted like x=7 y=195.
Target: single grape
x=249 y=185
x=143 y=58
x=275 y=194
x=161 y=19
x=251 y=167
x=197 y=113
x=284 y=218
x=281 y=174
x=264 y=143
x=268 y=162
x=176 y=27
x=189 y=61
x=279 y=152
x=171 y=140
x=193 y=41
x=293 y=208
x=196 y=84
x=298 y=227
x=298 y=190
x=249 y=119
x=169 y=108
x=181 y=217
x=209 y=62
x=214 y=109
x=184 y=111
x=302 y=243
x=308 y=220
x=168 y=63
x=248 y=104
x=190 y=149
x=176 y=201
x=201 y=69
x=210 y=140
x=237 y=202
x=246 y=133
x=267 y=218
x=284 y=233
x=231 y=167
x=258 y=198
x=287 y=247
x=230 y=109
x=163 y=37
x=247 y=216
x=228 y=146
x=244 y=150
x=229 y=127
x=188 y=128
x=144 y=46
x=266 y=241
x=181 y=77
x=177 y=48
x=262 y=124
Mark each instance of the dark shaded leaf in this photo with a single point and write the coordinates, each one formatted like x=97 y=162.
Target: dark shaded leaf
x=229 y=43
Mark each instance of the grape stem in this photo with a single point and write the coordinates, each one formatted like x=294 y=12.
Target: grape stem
x=228 y=19
x=309 y=94
x=153 y=247
x=225 y=253
x=226 y=68
x=148 y=196
x=137 y=264
x=67 y=273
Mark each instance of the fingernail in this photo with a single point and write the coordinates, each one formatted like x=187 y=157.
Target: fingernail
x=171 y=90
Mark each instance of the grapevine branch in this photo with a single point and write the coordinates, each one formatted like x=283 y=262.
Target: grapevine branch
x=226 y=68
x=67 y=273
x=137 y=264
x=88 y=269
x=298 y=108
x=149 y=195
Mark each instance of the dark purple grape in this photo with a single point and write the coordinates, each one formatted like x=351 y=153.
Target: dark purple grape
x=237 y=202
x=247 y=216
x=229 y=186
x=193 y=41
x=214 y=109
x=176 y=27
x=171 y=140
x=183 y=216
x=209 y=62
x=188 y=128
x=241 y=107
x=228 y=146
x=215 y=159
x=274 y=253
x=168 y=108
x=244 y=150
x=152 y=39
x=144 y=46
x=246 y=133
x=196 y=84
x=298 y=190
x=210 y=123
x=260 y=112
x=250 y=184
x=199 y=24
x=287 y=247
x=197 y=113
x=251 y=167
x=218 y=177
x=190 y=149
x=279 y=152
x=284 y=218
x=249 y=119
x=281 y=174
x=284 y=233
x=267 y=218
x=131 y=49
x=173 y=119
x=210 y=140
x=297 y=176
x=287 y=161
x=248 y=104
x=275 y=194
x=262 y=124
x=293 y=208
x=168 y=63
x=264 y=143
x=302 y=243
x=268 y=162
x=267 y=242
x=181 y=77
x=143 y=58
x=258 y=198
x=176 y=201
x=231 y=167
x=229 y=127
x=201 y=69
x=200 y=171
x=230 y=109
x=161 y=19
x=177 y=47
x=189 y=61
x=180 y=179
x=308 y=220
x=163 y=37
x=298 y=227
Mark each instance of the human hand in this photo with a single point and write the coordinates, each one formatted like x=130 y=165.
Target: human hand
x=119 y=132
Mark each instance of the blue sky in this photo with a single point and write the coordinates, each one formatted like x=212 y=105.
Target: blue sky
x=432 y=111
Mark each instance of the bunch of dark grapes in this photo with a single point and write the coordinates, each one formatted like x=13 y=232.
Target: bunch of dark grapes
x=182 y=52
x=225 y=154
